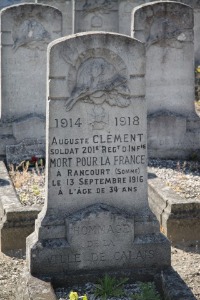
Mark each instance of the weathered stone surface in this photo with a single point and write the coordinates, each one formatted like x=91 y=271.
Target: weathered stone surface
x=125 y=11
x=173 y=136
x=96 y=15
x=96 y=215
x=66 y=7
x=30 y=288
x=25 y=150
x=28 y=127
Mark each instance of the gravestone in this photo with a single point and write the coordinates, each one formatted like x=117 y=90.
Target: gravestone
x=167 y=30
x=26 y=30
x=96 y=15
x=96 y=214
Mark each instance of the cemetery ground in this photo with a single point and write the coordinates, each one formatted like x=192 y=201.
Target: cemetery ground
x=181 y=176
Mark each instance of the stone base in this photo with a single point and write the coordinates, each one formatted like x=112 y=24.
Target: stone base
x=98 y=239
x=15 y=227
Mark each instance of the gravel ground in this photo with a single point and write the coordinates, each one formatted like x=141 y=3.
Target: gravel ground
x=182 y=176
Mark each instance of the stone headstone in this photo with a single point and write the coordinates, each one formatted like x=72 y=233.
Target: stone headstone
x=169 y=50
x=167 y=30
x=96 y=214
x=26 y=30
x=96 y=15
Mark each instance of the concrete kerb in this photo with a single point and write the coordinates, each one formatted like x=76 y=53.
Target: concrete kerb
x=168 y=282
x=179 y=218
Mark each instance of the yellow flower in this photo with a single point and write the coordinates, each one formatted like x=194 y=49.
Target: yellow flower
x=73 y=295
x=85 y=297
x=198 y=69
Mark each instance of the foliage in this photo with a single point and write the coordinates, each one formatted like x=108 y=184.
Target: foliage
x=148 y=292
x=109 y=287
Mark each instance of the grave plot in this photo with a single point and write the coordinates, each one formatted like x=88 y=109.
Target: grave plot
x=94 y=218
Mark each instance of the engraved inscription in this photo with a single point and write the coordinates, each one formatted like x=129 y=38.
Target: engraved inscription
x=97 y=257
x=100 y=163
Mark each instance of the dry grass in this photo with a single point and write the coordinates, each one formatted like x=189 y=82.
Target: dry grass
x=28 y=182
x=19 y=174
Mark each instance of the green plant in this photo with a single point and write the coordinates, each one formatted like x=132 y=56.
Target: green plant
x=35 y=190
x=148 y=292
x=109 y=287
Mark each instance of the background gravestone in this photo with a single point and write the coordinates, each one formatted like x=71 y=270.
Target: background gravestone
x=167 y=30
x=26 y=30
x=96 y=15
x=96 y=216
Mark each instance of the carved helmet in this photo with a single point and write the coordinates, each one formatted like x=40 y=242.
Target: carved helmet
x=97 y=80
